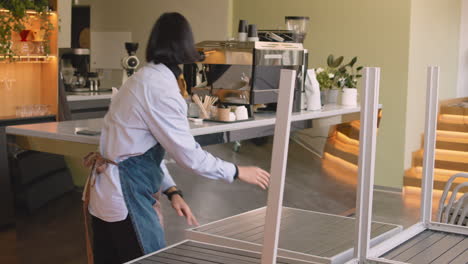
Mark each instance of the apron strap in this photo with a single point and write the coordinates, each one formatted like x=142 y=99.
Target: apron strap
x=94 y=161
x=182 y=86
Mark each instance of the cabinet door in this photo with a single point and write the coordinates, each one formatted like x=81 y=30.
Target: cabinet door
x=6 y=196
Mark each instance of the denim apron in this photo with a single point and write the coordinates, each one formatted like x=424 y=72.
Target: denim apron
x=140 y=178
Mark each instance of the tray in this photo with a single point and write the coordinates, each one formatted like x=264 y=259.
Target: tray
x=228 y=122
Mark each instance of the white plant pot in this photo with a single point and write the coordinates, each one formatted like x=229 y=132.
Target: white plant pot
x=332 y=96
x=349 y=97
x=323 y=97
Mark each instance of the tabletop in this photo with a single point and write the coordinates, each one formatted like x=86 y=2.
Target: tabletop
x=66 y=130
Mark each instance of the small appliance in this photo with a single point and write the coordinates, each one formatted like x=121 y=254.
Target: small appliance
x=74 y=66
x=130 y=63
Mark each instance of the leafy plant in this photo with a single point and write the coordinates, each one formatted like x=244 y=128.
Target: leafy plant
x=348 y=75
x=334 y=63
x=327 y=77
x=15 y=19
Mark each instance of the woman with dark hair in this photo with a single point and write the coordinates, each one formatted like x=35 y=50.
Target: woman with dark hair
x=147 y=118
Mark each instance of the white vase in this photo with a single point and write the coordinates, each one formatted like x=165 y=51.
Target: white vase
x=332 y=96
x=349 y=97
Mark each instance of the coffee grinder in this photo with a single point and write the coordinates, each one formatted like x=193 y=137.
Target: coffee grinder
x=130 y=62
x=299 y=25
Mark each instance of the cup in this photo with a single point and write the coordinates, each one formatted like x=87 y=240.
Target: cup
x=38 y=35
x=223 y=114
x=241 y=113
x=243 y=26
x=24 y=48
x=27 y=111
x=252 y=34
x=232 y=117
x=243 y=29
x=36 y=110
x=19 y=111
x=193 y=110
x=214 y=112
x=38 y=48
x=48 y=109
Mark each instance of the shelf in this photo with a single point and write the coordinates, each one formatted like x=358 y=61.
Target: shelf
x=15 y=120
x=36 y=75
x=29 y=12
x=27 y=59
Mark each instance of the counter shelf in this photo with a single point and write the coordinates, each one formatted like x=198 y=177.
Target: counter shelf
x=27 y=59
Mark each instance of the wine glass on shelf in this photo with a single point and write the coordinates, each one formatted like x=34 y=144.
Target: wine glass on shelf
x=24 y=49
x=38 y=41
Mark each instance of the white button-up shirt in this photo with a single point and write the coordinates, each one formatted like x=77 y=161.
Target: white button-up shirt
x=148 y=110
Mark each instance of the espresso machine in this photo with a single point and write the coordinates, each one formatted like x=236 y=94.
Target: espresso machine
x=75 y=70
x=246 y=73
x=74 y=67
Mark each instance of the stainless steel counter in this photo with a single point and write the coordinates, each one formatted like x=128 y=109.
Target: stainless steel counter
x=86 y=96
x=87 y=105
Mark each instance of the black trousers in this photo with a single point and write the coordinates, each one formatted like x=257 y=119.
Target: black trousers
x=114 y=242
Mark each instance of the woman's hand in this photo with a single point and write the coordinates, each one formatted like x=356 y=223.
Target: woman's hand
x=183 y=209
x=254 y=175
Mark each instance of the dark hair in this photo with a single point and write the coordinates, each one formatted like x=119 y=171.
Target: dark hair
x=171 y=41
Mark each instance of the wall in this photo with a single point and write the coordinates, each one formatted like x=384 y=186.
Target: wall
x=378 y=32
x=208 y=18
x=64 y=11
x=434 y=40
x=463 y=52
x=375 y=31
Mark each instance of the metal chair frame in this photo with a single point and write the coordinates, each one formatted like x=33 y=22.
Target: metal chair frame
x=362 y=251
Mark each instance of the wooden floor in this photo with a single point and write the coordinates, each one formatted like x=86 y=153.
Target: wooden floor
x=198 y=253
x=301 y=231
x=432 y=247
x=8 y=245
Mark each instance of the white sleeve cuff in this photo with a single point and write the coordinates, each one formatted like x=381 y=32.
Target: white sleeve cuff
x=167 y=181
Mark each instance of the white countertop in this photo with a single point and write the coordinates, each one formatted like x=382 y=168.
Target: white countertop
x=88 y=96
x=66 y=130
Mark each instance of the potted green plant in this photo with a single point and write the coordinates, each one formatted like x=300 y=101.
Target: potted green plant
x=14 y=18
x=328 y=79
x=348 y=76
